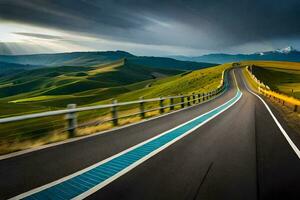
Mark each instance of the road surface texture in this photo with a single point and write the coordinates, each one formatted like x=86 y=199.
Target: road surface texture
x=239 y=154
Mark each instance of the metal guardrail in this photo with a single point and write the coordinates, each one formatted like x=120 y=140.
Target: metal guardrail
x=71 y=111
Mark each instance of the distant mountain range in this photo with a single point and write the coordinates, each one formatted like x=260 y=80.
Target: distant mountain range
x=285 y=54
x=87 y=59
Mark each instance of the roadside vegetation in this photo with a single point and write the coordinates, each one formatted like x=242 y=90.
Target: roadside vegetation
x=41 y=90
x=275 y=77
x=282 y=77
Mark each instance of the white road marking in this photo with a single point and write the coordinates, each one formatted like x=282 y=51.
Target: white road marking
x=127 y=169
x=116 y=176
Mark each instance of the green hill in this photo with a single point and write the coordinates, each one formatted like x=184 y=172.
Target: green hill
x=41 y=90
x=55 y=87
x=168 y=63
x=66 y=59
x=8 y=68
x=96 y=58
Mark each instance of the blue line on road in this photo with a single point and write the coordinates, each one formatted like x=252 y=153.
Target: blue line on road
x=87 y=180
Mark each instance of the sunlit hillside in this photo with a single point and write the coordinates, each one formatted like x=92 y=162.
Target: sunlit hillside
x=279 y=76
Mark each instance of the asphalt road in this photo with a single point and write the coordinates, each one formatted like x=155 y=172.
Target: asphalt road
x=240 y=154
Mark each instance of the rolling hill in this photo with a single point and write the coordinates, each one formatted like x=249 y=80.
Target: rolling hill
x=6 y=67
x=51 y=81
x=57 y=86
x=66 y=59
x=54 y=87
x=96 y=58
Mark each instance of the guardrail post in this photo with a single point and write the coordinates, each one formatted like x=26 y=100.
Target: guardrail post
x=114 y=113
x=199 y=98
x=188 y=101
x=142 y=109
x=171 y=103
x=203 y=96
x=161 y=105
x=182 y=101
x=194 y=99
x=72 y=121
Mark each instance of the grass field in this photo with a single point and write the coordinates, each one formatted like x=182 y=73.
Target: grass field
x=283 y=77
x=274 y=64
x=89 y=86
x=55 y=87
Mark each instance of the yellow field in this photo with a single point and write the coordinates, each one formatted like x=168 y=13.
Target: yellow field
x=106 y=68
x=288 y=99
x=40 y=98
x=281 y=77
x=274 y=64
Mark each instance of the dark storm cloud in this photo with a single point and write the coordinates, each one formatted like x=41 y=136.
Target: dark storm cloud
x=38 y=35
x=209 y=24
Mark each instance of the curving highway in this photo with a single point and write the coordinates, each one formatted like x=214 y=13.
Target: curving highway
x=233 y=147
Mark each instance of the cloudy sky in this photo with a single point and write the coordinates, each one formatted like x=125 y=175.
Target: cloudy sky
x=148 y=27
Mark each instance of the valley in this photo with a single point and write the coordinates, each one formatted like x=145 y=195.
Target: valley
x=96 y=82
